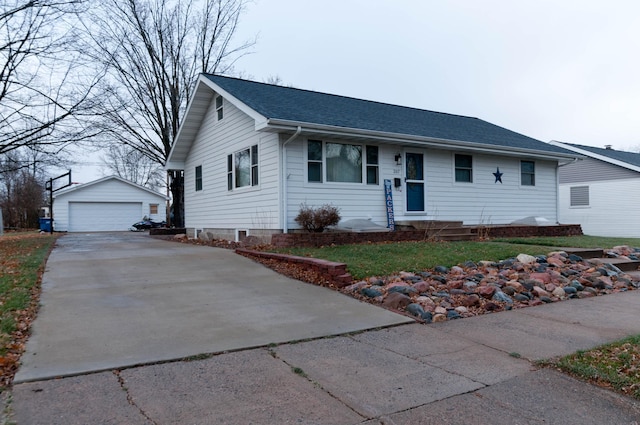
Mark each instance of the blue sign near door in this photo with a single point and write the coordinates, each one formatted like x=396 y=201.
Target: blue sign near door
x=388 y=202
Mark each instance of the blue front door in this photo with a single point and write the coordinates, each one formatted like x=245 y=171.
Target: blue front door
x=414 y=179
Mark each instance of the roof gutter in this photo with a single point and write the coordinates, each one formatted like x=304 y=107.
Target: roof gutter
x=285 y=178
x=279 y=125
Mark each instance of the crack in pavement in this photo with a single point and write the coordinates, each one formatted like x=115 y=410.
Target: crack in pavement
x=130 y=400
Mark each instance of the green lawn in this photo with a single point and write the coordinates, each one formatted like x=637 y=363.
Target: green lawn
x=365 y=260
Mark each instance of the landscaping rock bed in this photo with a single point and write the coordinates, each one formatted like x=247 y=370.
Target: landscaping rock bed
x=471 y=289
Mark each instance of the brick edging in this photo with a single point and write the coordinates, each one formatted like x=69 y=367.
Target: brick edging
x=335 y=273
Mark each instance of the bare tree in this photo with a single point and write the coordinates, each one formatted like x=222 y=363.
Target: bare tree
x=153 y=51
x=42 y=88
x=130 y=164
x=21 y=191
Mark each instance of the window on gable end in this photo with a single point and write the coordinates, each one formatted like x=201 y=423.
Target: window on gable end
x=242 y=168
x=219 y=109
x=153 y=208
x=198 y=178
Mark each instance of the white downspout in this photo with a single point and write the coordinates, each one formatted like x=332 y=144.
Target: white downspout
x=285 y=177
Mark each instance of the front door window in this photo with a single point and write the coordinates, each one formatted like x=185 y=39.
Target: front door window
x=414 y=179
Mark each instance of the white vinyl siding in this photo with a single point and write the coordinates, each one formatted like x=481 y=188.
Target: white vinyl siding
x=481 y=202
x=606 y=215
x=217 y=207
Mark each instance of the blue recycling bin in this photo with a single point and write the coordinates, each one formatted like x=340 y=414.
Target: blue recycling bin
x=45 y=224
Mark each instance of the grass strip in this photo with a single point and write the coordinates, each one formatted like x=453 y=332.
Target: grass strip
x=22 y=259
x=615 y=366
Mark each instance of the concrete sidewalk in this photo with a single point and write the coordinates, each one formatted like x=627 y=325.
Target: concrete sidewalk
x=456 y=372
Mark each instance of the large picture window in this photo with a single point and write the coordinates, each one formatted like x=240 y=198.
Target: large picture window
x=341 y=162
x=242 y=168
x=527 y=173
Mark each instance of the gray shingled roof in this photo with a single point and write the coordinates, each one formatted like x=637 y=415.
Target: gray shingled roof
x=628 y=157
x=304 y=106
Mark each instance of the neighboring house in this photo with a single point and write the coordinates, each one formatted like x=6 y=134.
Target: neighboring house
x=602 y=191
x=106 y=204
x=252 y=153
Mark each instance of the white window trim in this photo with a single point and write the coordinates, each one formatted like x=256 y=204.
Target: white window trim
x=363 y=170
x=578 y=207
x=250 y=186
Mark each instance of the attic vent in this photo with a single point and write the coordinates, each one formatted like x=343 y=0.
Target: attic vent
x=579 y=196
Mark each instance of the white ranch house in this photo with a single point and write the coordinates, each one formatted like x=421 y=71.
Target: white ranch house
x=602 y=191
x=107 y=204
x=252 y=153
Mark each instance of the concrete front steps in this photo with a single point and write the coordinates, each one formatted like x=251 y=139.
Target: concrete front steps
x=439 y=230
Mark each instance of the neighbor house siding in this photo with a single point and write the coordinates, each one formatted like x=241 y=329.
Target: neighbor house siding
x=215 y=207
x=106 y=191
x=612 y=210
x=590 y=169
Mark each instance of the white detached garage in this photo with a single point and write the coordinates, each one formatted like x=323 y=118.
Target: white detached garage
x=105 y=205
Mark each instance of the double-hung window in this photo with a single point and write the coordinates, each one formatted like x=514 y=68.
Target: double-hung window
x=341 y=163
x=464 y=168
x=242 y=168
x=527 y=173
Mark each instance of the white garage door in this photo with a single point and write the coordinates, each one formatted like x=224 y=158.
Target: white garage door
x=103 y=216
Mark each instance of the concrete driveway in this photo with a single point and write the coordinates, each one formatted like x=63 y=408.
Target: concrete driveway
x=114 y=300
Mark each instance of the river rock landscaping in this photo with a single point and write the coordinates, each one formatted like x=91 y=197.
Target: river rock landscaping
x=471 y=289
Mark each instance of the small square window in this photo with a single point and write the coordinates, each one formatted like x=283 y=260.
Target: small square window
x=153 y=208
x=579 y=196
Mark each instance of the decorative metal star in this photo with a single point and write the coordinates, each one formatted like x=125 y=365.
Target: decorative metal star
x=498 y=175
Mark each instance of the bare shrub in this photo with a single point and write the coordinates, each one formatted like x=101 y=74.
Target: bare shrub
x=317 y=219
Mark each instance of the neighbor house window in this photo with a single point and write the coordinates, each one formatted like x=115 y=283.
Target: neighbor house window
x=341 y=162
x=579 y=196
x=464 y=168
x=153 y=208
x=527 y=173
x=198 y=178
x=219 y=110
x=242 y=168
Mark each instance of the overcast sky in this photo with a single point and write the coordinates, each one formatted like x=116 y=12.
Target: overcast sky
x=553 y=70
